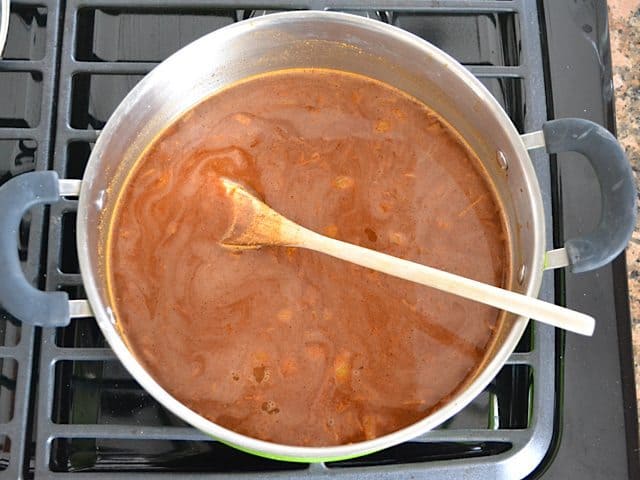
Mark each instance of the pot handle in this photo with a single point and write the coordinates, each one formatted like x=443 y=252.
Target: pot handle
x=618 y=218
x=17 y=296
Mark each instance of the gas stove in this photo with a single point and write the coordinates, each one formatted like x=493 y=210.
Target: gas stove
x=562 y=407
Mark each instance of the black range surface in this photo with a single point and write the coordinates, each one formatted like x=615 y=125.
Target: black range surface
x=563 y=407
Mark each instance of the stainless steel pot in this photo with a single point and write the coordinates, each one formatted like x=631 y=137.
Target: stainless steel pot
x=344 y=42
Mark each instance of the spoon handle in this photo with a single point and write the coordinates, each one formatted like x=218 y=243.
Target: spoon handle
x=517 y=303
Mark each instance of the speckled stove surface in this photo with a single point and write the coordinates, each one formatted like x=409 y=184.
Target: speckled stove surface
x=624 y=24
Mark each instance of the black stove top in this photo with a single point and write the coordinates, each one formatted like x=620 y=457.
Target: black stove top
x=563 y=406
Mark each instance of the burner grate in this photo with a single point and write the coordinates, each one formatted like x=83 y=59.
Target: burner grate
x=27 y=86
x=94 y=421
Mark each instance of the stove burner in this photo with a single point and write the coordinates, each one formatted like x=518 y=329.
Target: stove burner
x=105 y=53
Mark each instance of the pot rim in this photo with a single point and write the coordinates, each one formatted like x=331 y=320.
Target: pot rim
x=107 y=322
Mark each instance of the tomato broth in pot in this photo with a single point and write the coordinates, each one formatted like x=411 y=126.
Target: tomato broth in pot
x=288 y=345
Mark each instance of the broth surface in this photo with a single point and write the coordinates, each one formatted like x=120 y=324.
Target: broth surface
x=285 y=344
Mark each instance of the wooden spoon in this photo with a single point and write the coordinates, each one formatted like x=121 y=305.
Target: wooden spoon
x=254 y=224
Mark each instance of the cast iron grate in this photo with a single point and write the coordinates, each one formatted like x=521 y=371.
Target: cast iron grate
x=94 y=421
x=27 y=86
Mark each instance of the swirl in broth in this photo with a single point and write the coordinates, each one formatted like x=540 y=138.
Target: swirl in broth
x=284 y=344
